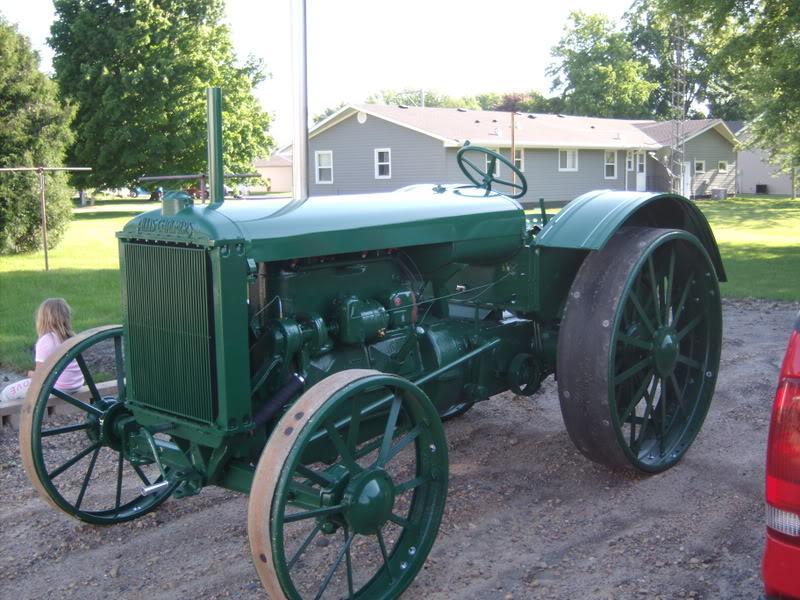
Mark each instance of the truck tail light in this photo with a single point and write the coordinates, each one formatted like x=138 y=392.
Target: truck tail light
x=783 y=448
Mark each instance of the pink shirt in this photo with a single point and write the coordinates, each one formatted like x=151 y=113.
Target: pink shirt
x=71 y=378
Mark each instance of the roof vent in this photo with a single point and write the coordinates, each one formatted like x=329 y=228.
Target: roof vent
x=560 y=116
x=531 y=116
x=494 y=120
x=591 y=126
x=401 y=106
x=477 y=120
x=461 y=109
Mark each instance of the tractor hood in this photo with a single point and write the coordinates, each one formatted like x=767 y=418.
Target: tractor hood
x=283 y=229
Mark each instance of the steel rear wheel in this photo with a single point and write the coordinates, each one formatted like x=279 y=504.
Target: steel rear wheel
x=75 y=458
x=349 y=490
x=639 y=349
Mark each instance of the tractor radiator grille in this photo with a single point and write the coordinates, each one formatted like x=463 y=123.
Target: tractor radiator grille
x=169 y=330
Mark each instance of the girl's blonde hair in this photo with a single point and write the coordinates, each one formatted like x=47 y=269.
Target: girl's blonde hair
x=54 y=316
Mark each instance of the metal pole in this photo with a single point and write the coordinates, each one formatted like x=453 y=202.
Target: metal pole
x=215 y=167
x=300 y=68
x=44 y=218
x=513 y=147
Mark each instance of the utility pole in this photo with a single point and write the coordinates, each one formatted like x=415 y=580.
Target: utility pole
x=40 y=171
x=513 y=146
x=678 y=100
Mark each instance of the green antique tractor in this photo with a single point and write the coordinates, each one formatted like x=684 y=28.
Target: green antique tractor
x=306 y=354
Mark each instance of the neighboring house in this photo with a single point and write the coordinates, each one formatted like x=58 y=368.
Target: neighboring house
x=755 y=173
x=276 y=172
x=371 y=147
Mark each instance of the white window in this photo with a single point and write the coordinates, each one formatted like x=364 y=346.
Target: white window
x=699 y=166
x=496 y=163
x=629 y=160
x=383 y=163
x=640 y=162
x=323 y=163
x=519 y=159
x=722 y=167
x=567 y=160
x=610 y=164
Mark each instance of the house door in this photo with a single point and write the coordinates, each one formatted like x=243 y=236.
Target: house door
x=641 y=171
x=686 y=179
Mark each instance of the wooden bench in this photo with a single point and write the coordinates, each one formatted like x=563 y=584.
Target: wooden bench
x=9 y=411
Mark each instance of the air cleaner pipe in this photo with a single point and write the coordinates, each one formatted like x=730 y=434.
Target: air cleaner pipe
x=278 y=401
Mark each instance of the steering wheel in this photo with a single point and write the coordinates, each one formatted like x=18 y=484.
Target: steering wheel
x=484 y=178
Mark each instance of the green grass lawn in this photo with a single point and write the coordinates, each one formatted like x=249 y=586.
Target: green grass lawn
x=84 y=269
x=758 y=238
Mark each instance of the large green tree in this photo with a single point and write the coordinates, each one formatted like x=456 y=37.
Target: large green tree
x=34 y=131
x=597 y=71
x=712 y=73
x=137 y=70
x=765 y=51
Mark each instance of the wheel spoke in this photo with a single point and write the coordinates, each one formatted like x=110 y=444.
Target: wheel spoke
x=367 y=448
x=399 y=520
x=87 y=377
x=141 y=474
x=118 y=496
x=635 y=342
x=625 y=375
x=354 y=426
x=692 y=324
x=336 y=438
x=682 y=302
x=652 y=270
x=471 y=164
x=312 y=475
x=65 y=429
x=86 y=479
x=92 y=410
x=678 y=396
x=56 y=472
x=317 y=512
x=388 y=432
x=637 y=396
x=333 y=568
x=648 y=409
x=689 y=361
x=385 y=556
x=668 y=287
x=349 y=566
x=663 y=420
x=303 y=546
x=642 y=314
x=404 y=441
x=409 y=485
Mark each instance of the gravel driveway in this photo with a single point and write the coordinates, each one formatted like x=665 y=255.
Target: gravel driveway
x=527 y=515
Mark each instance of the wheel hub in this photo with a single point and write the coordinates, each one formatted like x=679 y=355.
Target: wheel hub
x=369 y=499
x=665 y=350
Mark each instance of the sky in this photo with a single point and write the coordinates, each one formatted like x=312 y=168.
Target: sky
x=358 y=47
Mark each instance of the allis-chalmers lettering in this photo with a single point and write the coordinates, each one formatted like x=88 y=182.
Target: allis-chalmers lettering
x=166 y=226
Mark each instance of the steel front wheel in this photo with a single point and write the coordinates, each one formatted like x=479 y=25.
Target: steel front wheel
x=349 y=490
x=71 y=442
x=639 y=349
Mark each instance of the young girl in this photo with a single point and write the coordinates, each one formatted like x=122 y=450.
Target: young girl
x=53 y=326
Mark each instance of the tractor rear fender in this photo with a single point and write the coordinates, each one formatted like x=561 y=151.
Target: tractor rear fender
x=589 y=221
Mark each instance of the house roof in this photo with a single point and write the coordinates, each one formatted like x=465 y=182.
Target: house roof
x=661 y=131
x=276 y=160
x=493 y=128
x=454 y=126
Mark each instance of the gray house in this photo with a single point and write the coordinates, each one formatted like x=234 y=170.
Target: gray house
x=374 y=148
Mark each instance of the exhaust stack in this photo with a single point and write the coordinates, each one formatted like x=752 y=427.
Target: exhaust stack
x=300 y=92
x=216 y=175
